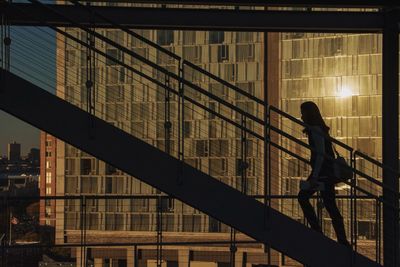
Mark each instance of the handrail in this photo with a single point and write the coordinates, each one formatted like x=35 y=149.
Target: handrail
x=184 y=62
x=223 y=117
x=374 y=161
x=155 y=66
x=225 y=83
x=213 y=97
x=357 y=152
x=292 y=118
x=128 y=31
x=201 y=90
x=369 y=178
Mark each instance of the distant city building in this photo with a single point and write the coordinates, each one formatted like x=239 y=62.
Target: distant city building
x=19 y=185
x=34 y=156
x=14 y=152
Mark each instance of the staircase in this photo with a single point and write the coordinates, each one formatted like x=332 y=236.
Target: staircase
x=65 y=121
x=137 y=158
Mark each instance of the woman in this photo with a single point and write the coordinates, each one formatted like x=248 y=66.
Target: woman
x=322 y=170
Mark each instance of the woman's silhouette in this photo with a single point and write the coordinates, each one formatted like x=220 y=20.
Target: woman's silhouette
x=322 y=170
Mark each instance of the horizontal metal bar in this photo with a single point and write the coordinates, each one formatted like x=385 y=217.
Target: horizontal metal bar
x=128 y=244
x=199 y=19
x=128 y=31
x=91 y=197
x=153 y=65
x=269 y=3
x=225 y=83
x=376 y=162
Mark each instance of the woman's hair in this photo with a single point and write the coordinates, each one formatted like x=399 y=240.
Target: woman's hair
x=312 y=116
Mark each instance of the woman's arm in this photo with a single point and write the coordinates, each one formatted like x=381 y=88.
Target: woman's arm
x=319 y=146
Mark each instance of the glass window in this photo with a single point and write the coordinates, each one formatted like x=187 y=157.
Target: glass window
x=165 y=37
x=223 y=53
x=48 y=177
x=140 y=222
x=113 y=53
x=191 y=223
x=189 y=37
x=87 y=166
x=216 y=37
x=71 y=184
x=89 y=185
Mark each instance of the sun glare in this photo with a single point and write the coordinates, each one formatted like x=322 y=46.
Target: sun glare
x=345 y=92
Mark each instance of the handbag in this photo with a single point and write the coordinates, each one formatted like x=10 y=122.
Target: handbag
x=342 y=171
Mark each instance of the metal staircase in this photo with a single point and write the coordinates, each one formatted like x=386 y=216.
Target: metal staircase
x=199 y=190
x=172 y=175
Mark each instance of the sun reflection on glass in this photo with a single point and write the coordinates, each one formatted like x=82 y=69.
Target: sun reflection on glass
x=345 y=92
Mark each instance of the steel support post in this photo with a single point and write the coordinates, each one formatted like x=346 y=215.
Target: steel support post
x=390 y=137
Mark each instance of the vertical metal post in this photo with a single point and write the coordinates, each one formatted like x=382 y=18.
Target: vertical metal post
x=267 y=148
x=83 y=261
x=159 y=231
x=390 y=137
x=5 y=47
x=181 y=123
x=377 y=241
x=380 y=232
x=5 y=206
x=167 y=116
x=232 y=248
x=135 y=256
x=353 y=208
x=354 y=184
x=81 y=227
x=90 y=79
x=243 y=157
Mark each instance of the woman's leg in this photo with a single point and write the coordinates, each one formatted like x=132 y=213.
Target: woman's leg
x=304 y=200
x=328 y=196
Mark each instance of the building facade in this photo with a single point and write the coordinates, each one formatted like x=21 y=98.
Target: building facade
x=138 y=107
x=341 y=73
x=14 y=152
x=47 y=183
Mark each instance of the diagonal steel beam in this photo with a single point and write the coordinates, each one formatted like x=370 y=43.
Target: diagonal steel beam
x=199 y=19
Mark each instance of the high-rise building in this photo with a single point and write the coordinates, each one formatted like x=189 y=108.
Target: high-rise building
x=136 y=106
x=14 y=152
x=342 y=73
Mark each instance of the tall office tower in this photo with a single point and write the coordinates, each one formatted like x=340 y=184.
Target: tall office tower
x=137 y=106
x=47 y=182
x=342 y=74
x=14 y=152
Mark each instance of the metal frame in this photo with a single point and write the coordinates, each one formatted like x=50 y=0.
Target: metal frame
x=200 y=19
x=385 y=22
x=269 y=3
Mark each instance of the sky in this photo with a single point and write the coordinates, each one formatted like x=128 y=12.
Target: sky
x=33 y=58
